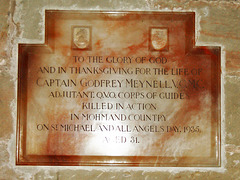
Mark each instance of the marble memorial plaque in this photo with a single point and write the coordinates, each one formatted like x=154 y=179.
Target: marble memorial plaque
x=118 y=89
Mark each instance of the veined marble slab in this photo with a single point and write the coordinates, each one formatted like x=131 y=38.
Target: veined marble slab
x=119 y=89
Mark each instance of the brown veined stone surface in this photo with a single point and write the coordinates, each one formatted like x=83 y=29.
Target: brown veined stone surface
x=158 y=145
x=219 y=24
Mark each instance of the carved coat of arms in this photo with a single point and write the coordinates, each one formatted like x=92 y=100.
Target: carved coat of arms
x=81 y=37
x=159 y=38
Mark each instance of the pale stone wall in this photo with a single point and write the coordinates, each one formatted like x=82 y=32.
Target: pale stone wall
x=218 y=23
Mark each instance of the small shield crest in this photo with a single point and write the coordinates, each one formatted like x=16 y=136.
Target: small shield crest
x=81 y=37
x=159 y=38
